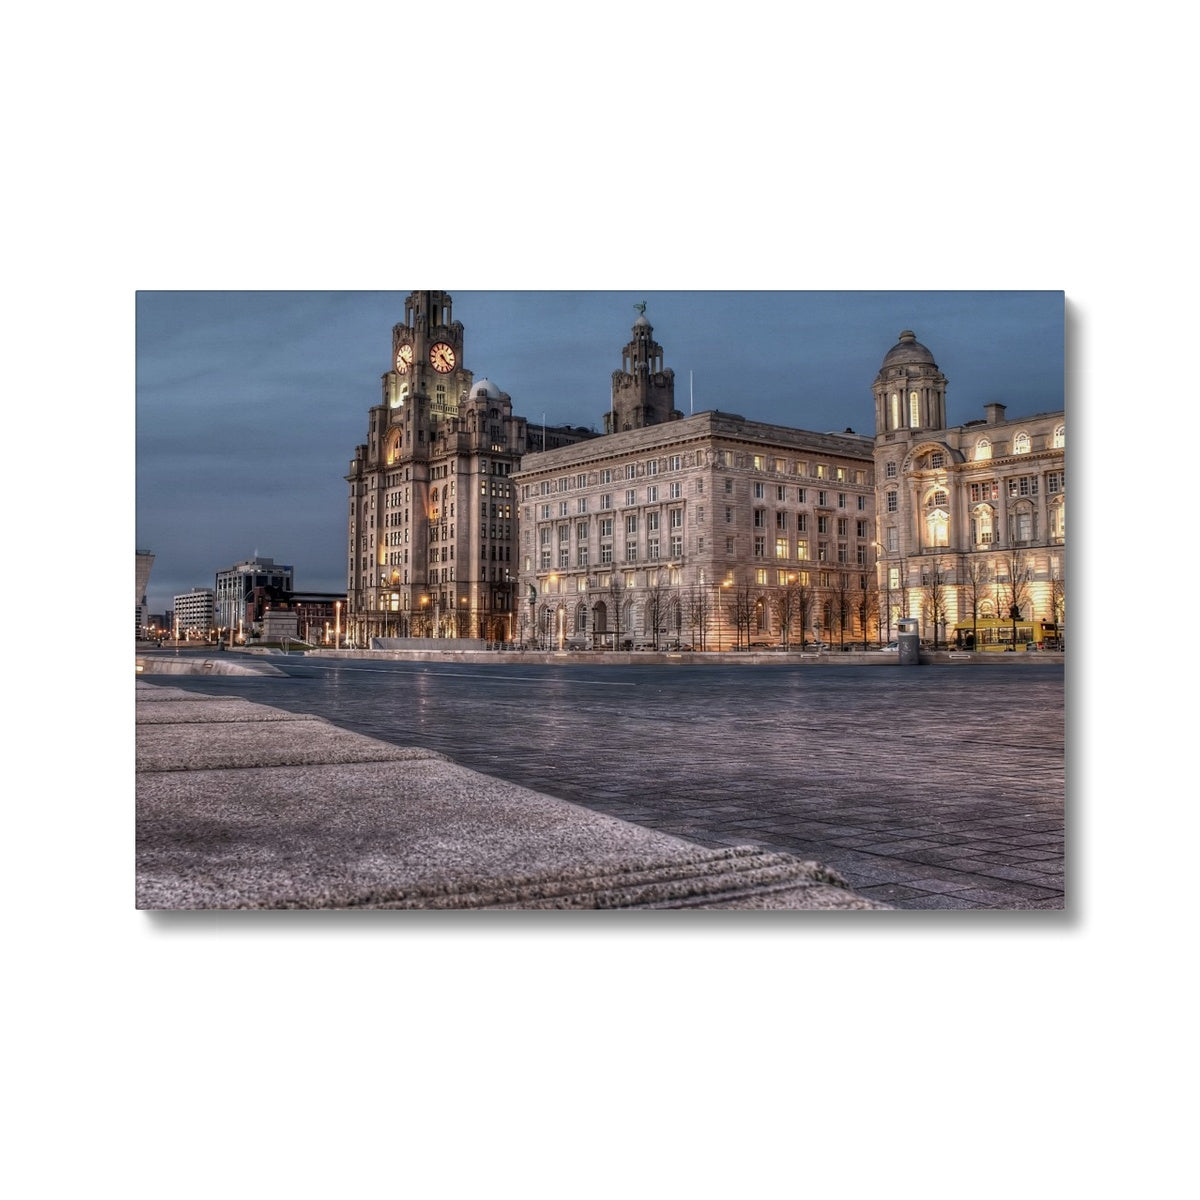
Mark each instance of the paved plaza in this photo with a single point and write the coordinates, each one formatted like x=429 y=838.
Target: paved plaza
x=925 y=787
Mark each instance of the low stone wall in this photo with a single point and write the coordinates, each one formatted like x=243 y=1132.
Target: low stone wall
x=191 y=664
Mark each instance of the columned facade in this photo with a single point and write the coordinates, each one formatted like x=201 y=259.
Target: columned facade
x=710 y=531
x=971 y=519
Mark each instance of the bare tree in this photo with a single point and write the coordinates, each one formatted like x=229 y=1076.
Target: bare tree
x=742 y=603
x=1058 y=598
x=974 y=577
x=657 y=596
x=616 y=592
x=867 y=604
x=936 y=590
x=785 y=603
x=1019 y=573
x=841 y=603
x=696 y=610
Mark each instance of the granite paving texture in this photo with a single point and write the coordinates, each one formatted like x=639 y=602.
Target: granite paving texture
x=241 y=805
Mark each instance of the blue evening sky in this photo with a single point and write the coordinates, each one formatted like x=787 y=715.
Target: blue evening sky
x=250 y=404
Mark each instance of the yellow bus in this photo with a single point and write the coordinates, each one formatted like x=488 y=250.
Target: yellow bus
x=995 y=633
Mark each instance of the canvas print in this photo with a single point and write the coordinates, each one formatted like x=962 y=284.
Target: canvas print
x=601 y=600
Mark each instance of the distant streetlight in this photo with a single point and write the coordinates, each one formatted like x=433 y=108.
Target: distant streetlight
x=337 y=613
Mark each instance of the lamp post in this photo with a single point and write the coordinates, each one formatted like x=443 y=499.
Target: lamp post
x=337 y=625
x=727 y=583
x=424 y=603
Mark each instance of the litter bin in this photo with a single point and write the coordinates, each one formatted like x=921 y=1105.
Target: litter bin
x=909 y=638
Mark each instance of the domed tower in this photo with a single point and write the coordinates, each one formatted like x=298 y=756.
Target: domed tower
x=910 y=391
x=643 y=393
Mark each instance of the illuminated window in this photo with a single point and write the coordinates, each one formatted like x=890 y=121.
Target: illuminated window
x=1060 y=437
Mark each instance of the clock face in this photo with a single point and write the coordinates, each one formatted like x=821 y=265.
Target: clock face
x=404 y=358
x=441 y=356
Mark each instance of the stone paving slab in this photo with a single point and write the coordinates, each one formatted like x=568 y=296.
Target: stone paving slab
x=234 y=812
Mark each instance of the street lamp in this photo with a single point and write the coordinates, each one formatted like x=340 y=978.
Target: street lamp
x=727 y=583
x=337 y=613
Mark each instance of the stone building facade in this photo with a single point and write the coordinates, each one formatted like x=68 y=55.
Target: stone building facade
x=709 y=530
x=432 y=526
x=972 y=518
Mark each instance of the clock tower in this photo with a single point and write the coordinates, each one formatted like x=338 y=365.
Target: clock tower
x=643 y=392
x=427 y=355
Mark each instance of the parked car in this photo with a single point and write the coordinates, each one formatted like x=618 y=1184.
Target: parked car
x=890 y=648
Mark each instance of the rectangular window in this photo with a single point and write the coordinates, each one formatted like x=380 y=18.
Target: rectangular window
x=781 y=547
x=652 y=494
x=606 y=552
x=802 y=548
x=675 y=462
x=677 y=518
x=652 y=549
x=760 y=547
x=760 y=491
x=652 y=521
x=652 y=467
x=630 y=470
x=581 y=504
x=893 y=502
x=841 y=499
x=606 y=501
x=606 y=526
x=729 y=487
x=606 y=475
x=781 y=519
x=760 y=463
x=760 y=518
x=630 y=498
x=581 y=531
x=564 y=558
x=822 y=524
x=562 y=508
x=676 y=546
x=631 y=551
x=581 y=556
x=675 y=491
x=631 y=523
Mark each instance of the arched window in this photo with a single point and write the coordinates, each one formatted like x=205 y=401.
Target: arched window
x=1022 y=522
x=914 y=409
x=895 y=410
x=581 y=618
x=937 y=518
x=1060 y=437
x=1058 y=520
x=983 y=449
x=983 y=525
x=1021 y=443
